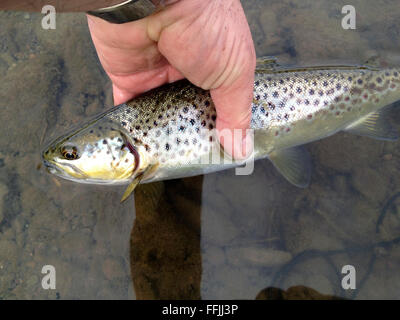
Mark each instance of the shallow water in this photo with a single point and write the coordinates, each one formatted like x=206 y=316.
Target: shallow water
x=219 y=236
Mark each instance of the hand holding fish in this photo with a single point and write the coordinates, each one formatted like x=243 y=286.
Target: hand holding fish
x=206 y=41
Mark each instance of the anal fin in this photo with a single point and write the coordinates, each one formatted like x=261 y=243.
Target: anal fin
x=294 y=164
x=375 y=125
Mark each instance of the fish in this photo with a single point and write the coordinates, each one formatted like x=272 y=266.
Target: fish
x=169 y=132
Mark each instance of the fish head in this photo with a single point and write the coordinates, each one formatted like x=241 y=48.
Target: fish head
x=101 y=152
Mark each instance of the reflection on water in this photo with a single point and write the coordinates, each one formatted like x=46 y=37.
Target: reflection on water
x=219 y=236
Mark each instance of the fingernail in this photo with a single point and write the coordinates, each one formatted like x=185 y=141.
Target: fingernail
x=247 y=144
x=242 y=147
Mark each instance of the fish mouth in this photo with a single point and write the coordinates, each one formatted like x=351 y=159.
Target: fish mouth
x=53 y=168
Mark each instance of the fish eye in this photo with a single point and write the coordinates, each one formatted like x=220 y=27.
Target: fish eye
x=69 y=152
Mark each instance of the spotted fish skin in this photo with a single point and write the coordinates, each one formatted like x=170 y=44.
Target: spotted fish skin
x=173 y=126
x=289 y=109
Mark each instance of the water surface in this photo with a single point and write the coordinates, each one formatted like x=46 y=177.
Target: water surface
x=219 y=236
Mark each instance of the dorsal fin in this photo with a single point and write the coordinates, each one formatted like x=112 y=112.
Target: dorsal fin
x=266 y=63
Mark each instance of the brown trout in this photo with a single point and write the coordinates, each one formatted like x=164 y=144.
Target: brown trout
x=169 y=132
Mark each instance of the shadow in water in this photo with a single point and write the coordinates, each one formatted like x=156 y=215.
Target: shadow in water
x=294 y=293
x=165 y=240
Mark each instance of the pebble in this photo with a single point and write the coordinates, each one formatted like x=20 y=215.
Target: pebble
x=388 y=157
x=258 y=257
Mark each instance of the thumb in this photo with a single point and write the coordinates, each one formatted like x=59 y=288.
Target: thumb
x=233 y=106
x=120 y=95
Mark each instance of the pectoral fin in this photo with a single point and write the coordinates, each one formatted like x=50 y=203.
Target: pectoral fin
x=131 y=187
x=375 y=125
x=294 y=164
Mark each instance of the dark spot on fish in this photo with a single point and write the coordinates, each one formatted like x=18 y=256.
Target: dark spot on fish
x=298 y=90
x=210 y=126
x=325 y=83
x=192 y=122
x=123 y=123
x=137 y=127
x=181 y=128
x=160 y=116
x=359 y=81
x=213 y=117
x=311 y=92
x=275 y=94
x=379 y=79
x=207 y=103
x=91 y=131
x=155 y=123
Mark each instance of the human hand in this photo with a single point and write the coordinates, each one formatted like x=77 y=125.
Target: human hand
x=206 y=41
